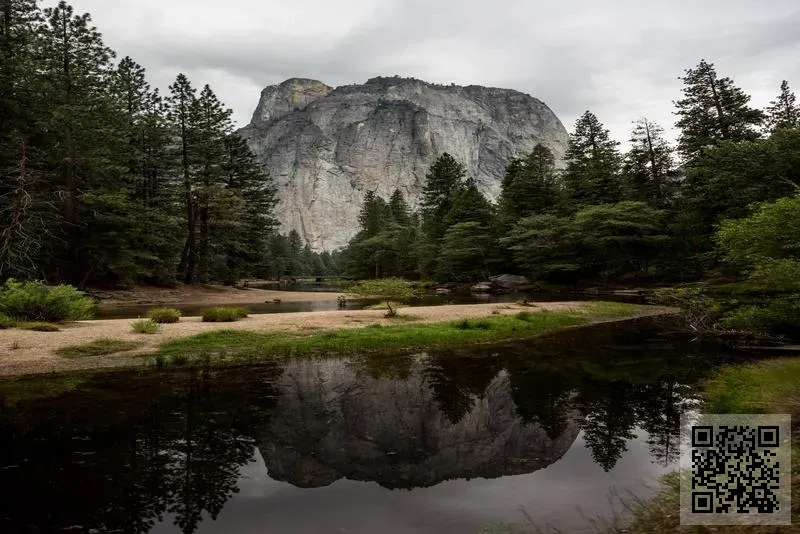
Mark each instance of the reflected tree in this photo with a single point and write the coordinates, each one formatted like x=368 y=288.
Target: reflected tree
x=141 y=448
x=542 y=395
x=660 y=410
x=458 y=380
x=610 y=418
x=385 y=366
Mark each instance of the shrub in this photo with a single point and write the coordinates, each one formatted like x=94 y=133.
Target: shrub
x=164 y=315
x=388 y=289
x=146 y=326
x=39 y=326
x=700 y=312
x=524 y=316
x=780 y=316
x=6 y=322
x=223 y=315
x=36 y=301
x=466 y=324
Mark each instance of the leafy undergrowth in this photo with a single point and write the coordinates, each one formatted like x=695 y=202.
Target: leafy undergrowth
x=237 y=346
x=99 y=347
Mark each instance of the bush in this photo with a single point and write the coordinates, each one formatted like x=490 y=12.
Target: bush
x=145 y=326
x=6 y=322
x=466 y=324
x=39 y=326
x=36 y=301
x=700 y=312
x=164 y=315
x=524 y=316
x=388 y=289
x=223 y=315
x=779 y=316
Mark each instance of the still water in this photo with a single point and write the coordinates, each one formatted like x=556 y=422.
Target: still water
x=446 y=442
x=193 y=310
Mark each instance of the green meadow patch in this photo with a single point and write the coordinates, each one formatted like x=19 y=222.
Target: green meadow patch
x=237 y=346
x=98 y=347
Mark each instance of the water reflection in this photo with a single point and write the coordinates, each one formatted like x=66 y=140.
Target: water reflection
x=126 y=451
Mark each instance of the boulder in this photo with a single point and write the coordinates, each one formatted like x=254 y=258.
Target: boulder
x=482 y=287
x=509 y=281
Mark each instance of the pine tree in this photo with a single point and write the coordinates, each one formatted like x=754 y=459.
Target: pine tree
x=593 y=164
x=530 y=186
x=82 y=130
x=398 y=209
x=466 y=251
x=713 y=109
x=469 y=205
x=443 y=180
x=216 y=205
x=648 y=163
x=246 y=250
x=373 y=216
x=21 y=105
x=181 y=106
x=783 y=112
x=150 y=187
x=295 y=263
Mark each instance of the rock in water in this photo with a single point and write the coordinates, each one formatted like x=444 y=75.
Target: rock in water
x=325 y=147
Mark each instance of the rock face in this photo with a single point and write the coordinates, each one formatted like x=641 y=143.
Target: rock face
x=333 y=422
x=327 y=147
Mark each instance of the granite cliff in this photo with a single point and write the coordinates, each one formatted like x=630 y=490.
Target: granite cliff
x=326 y=147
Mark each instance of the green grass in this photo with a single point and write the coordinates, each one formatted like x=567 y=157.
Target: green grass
x=6 y=322
x=146 y=326
x=164 y=315
x=770 y=386
x=39 y=326
x=98 y=347
x=223 y=315
x=238 y=346
x=609 y=309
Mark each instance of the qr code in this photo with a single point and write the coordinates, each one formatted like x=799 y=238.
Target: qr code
x=736 y=470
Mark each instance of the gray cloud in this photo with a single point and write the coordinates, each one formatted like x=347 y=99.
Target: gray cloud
x=620 y=59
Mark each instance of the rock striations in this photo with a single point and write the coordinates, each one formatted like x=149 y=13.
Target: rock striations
x=327 y=147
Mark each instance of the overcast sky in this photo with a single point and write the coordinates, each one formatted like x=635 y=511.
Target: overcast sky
x=620 y=59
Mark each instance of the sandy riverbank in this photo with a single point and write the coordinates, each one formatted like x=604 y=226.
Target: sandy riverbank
x=210 y=295
x=25 y=352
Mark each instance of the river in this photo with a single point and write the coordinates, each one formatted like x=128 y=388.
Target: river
x=445 y=442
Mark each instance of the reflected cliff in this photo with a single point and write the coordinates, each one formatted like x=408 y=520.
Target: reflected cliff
x=121 y=452
x=451 y=417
